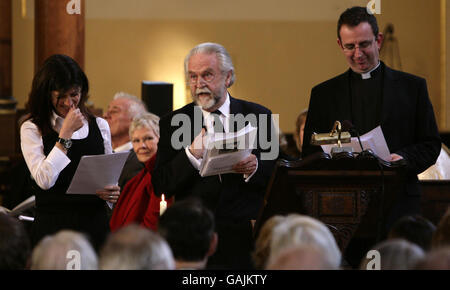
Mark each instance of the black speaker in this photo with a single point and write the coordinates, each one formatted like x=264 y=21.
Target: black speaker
x=158 y=97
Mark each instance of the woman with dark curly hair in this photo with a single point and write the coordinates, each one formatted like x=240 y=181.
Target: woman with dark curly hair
x=58 y=131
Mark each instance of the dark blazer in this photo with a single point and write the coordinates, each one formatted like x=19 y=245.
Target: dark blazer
x=407 y=118
x=232 y=199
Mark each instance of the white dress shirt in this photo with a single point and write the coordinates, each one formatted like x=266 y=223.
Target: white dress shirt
x=209 y=124
x=123 y=148
x=46 y=169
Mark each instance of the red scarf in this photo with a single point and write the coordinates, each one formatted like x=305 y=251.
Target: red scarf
x=137 y=202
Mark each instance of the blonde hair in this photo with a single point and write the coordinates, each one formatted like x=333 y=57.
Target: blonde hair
x=262 y=243
x=297 y=230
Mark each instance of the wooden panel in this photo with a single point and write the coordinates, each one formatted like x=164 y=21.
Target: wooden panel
x=435 y=199
x=5 y=49
x=8 y=133
x=337 y=204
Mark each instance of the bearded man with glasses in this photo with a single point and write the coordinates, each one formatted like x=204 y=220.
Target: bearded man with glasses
x=234 y=198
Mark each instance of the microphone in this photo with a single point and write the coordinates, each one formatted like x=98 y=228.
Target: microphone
x=348 y=126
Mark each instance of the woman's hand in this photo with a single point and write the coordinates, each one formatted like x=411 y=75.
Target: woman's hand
x=109 y=193
x=72 y=122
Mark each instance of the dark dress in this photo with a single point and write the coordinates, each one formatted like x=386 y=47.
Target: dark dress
x=56 y=210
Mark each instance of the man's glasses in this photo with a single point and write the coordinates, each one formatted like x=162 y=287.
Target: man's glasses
x=206 y=76
x=350 y=47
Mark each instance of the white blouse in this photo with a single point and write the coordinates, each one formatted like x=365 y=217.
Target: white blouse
x=46 y=169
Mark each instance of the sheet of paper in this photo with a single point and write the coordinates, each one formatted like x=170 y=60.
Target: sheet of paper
x=373 y=140
x=97 y=171
x=224 y=163
x=225 y=150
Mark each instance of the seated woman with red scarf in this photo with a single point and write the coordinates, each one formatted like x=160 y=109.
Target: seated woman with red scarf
x=137 y=202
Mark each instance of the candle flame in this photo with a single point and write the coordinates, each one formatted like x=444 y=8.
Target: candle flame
x=162 y=196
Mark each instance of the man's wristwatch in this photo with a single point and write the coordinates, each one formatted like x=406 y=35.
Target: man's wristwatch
x=67 y=143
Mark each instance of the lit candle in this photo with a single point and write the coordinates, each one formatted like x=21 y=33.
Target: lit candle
x=162 y=205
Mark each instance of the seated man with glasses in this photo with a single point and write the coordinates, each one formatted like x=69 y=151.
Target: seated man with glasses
x=371 y=94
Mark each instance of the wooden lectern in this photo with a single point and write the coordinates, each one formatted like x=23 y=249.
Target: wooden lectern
x=351 y=194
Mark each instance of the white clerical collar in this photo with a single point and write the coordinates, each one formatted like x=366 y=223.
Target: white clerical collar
x=125 y=147
x=367 y=75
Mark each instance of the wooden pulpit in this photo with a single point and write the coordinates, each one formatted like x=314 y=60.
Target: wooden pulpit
x=351 y=194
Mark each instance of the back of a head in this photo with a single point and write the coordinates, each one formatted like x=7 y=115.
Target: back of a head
x=396 y=254
x=299 y=230
x=438 y=259
x=14 y=244
x=306 y=257
x=135 y=248
x=188 y=227
x=441 y=236
x=262 y=243
x=66 y=250
x=415 y=229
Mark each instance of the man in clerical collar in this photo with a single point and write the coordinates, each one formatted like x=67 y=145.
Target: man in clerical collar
x=370 y=94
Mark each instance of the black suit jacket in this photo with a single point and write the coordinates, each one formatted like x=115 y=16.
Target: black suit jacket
x=407 y=118
x=232 y=199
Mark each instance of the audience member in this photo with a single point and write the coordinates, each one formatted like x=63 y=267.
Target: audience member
x=396 y=254
x=305 y=257
x=441 y=236
x=137 y=202
x=438 y=259
x=14 y=244
x=298 y=230
x=121 y=111
x=262 y=244
x=136 y=248
x=439 y=170
x=66 y=250
x=299 y=130
x=58 y=131
x=415 y=229
x=188 y=227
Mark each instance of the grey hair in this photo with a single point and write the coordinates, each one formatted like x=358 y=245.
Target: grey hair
x=136 y=248
x=137 y=107
x=147 y=120
x=226 y=64
x=52 y=252
x=396 y=254
x=297 y=230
